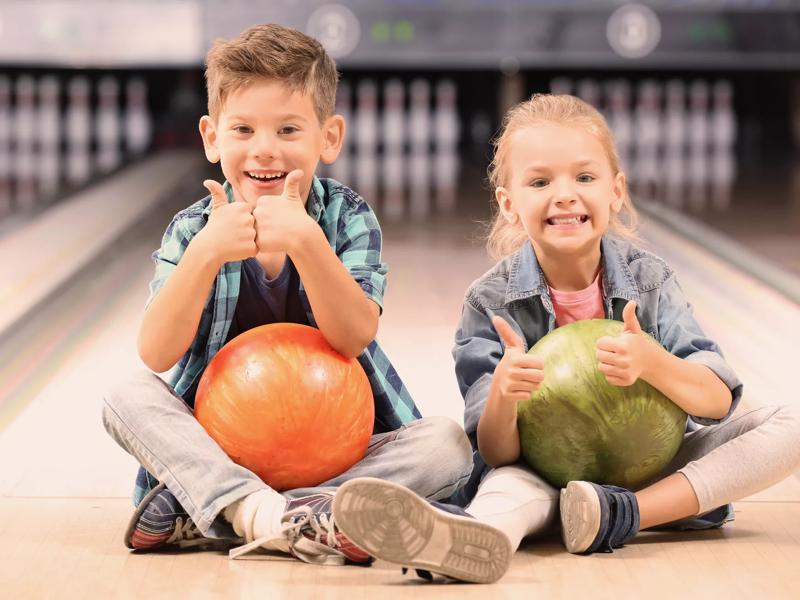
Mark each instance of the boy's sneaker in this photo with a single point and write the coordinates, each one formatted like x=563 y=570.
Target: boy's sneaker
x=161 y=522
x=597 y=517
x=310 y=534
x=394 y=524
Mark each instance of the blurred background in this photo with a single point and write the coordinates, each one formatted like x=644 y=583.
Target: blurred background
x=99 y=104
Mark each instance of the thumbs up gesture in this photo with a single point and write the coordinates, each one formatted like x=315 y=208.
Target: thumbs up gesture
x=518 y=373
x=623 y=358
x=230 y=234
x=282 y=220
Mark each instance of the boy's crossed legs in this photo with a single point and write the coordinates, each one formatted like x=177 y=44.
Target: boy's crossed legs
x=209 y=497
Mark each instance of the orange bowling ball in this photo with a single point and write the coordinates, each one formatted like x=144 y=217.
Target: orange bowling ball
x=281 y=402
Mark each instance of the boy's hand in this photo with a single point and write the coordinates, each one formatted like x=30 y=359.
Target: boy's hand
x=518 y=373
x=623 y=358
x=230 y=234
x=281 y=221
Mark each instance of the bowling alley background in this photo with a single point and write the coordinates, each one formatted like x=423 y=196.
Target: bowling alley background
x=99 y=148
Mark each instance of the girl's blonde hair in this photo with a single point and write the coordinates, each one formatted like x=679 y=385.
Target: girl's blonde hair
x=505 y=238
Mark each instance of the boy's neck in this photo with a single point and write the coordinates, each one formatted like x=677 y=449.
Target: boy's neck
x=271 y=262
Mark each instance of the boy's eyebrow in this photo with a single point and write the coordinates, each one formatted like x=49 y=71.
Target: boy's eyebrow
x=284 y=117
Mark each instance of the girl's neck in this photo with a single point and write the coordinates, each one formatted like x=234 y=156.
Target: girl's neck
x=569 y=273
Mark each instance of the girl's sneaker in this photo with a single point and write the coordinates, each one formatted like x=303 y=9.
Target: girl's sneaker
x=597 y=517
x=394 y=524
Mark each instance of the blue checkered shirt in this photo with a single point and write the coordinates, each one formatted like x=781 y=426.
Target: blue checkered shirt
x=354 y=234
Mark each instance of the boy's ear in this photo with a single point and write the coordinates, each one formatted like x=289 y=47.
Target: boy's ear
x=208 y=131
x=333 y=131
x=506 y=205
x=619 y=192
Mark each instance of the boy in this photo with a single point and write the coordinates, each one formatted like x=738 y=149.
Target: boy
x=273 y=244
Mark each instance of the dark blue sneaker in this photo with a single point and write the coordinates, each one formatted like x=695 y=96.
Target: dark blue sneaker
x=161 y=522
x=394 y=524
x=597 y=518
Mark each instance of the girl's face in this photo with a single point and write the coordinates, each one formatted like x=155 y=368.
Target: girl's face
x=561 y=188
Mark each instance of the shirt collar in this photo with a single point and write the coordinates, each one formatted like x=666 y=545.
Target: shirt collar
x=525 y=277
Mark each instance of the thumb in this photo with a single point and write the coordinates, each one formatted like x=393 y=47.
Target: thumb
x=507 y=334
x=291 y=187
x=629 y=318
x=218 y=196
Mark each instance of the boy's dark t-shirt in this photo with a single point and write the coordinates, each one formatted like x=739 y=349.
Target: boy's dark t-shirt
x=262 y=301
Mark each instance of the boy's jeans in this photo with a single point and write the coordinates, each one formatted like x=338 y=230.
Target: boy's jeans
x=431 y=456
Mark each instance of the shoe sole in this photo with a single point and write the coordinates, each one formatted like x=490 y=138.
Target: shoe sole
x=392 y=523
x=580 y=516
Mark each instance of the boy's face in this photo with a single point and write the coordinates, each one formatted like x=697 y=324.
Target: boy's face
x=263 y=132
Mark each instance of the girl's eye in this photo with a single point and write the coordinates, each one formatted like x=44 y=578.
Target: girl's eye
x=585 y=178
x=538 y=183
x=289 y=129
x=242 y=129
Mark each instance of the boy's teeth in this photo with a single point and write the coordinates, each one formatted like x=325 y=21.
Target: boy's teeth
x=266 y=177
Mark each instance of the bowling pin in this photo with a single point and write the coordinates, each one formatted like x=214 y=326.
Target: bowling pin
x=24 y=135
x=107 y=125
x=366 y=128
x=138 y=127
x=78 y=131
x=393 y=129
x=49 y=136
x=446 y=129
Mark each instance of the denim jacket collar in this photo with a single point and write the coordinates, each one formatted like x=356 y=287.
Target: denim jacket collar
x=526 y=279
x=315 y=206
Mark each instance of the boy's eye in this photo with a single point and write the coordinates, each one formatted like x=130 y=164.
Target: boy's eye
x=538 y=183
x=243 y=129
x=585 y=178
x=289 y=129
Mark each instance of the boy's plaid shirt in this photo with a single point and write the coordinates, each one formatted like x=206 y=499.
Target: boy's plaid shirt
x=355 y=236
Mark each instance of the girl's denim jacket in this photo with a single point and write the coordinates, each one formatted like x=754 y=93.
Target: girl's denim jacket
x=516 y=290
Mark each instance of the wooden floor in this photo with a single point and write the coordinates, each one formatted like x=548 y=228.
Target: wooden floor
x=71 y=548
x=64 y=485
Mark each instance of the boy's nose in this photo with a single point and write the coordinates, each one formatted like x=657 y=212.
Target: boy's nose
x=263 y=146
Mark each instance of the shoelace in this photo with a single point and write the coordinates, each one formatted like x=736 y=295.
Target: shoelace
x=292 y=525
x=184 y=530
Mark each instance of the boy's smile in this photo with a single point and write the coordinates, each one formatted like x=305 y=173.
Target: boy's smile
x=264 y=131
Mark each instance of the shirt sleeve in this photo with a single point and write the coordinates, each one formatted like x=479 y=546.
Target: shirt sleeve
x=358 y=246
x=477 y=352
x=173 y=245
x=680 y=333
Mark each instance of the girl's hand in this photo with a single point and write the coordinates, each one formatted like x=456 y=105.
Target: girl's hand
x=623 y=358
x=518 y=373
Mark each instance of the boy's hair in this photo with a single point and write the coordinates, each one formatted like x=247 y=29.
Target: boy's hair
x=273 y=52
x=505 y=238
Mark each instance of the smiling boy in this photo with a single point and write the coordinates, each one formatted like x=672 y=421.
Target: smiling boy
x=273 y=243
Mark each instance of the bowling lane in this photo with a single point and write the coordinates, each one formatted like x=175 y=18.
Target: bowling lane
x=84 y=341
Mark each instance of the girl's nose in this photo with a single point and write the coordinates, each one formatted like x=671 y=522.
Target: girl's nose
x=565 y=194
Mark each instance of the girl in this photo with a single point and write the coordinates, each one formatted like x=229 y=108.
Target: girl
x=564 y=233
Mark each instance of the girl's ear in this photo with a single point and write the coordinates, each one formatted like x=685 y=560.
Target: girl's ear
x=505 y=204
x=208 y=131
x=619 y=192
x=333 y=131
